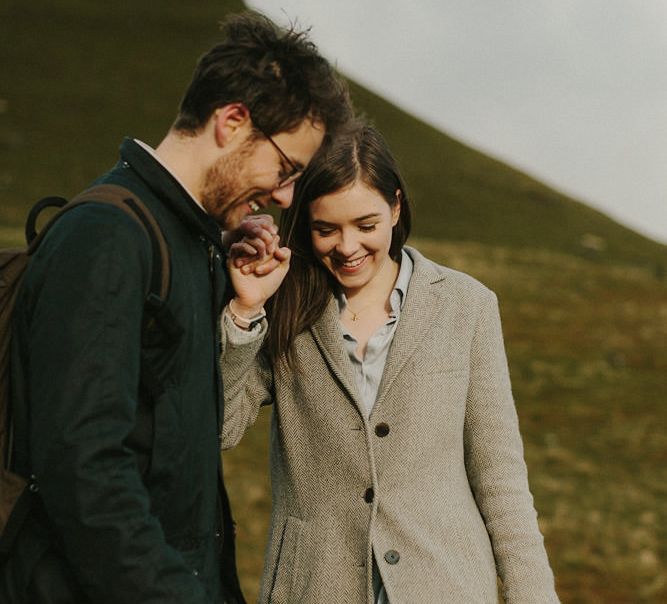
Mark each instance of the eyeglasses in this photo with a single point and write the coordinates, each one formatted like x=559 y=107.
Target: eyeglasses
x=295 y=171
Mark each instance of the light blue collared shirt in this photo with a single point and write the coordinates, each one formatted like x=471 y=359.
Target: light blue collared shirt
x=368 y=371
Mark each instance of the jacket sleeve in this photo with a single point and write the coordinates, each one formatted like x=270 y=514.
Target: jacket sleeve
x=248 y=380
x=86 y=291
x=497 y=471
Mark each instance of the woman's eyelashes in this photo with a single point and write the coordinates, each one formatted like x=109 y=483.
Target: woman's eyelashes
x=325 y=231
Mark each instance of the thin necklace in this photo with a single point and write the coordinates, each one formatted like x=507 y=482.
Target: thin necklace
x=355 y=315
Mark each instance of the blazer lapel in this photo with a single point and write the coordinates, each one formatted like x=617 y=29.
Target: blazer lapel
x=328 y=337
x=423 y=303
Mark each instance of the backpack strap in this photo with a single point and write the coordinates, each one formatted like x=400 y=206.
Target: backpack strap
x=157 y=317
x=36 y=210
x=127 y=201
x=124 y=200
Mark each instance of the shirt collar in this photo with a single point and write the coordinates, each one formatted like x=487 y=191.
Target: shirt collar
x=158 y=159
x=168 y=189
x=397 y=296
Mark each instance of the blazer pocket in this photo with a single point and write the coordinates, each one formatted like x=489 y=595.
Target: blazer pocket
x=287 y=567
x=476 y=563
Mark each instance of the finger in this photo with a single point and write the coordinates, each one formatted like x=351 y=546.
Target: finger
x=259 y=226
x=281 y=258
x=267 y=267
x=283 y=254
x=251 y=266
x=260 y=217
x=246 y=260
x=274 y=245
x=242 y=249
x=258 y=244
x=262 y=234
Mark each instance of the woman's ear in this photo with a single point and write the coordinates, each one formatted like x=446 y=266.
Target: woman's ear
x=230 y=123
x=396 y=208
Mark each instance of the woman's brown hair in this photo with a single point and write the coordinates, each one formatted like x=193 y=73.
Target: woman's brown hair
x=359 y=154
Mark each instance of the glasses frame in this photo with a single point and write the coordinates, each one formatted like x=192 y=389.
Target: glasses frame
x=295 y=171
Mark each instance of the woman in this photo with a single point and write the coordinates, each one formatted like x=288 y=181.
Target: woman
x=397 y=464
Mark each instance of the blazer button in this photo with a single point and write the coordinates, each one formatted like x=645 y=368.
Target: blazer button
x=369 y=495
x=382 y=429
x=392 y=556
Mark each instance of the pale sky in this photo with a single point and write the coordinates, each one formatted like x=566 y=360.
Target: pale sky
x=574 y=92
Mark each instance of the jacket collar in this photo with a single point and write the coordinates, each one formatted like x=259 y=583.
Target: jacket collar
x=424 y=301
x=169 y=191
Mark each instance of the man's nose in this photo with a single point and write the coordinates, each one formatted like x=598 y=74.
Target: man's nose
x=282 y=196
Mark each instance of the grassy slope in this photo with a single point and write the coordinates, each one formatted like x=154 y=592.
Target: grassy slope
x=78 y=76
x=462 y=194
x=586 y=340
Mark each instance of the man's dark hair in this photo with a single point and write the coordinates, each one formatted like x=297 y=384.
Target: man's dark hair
x=276 y=73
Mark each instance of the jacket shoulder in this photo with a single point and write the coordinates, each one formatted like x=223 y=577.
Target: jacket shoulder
x=450 y=280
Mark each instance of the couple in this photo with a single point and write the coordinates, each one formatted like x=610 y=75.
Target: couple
x=357 y=464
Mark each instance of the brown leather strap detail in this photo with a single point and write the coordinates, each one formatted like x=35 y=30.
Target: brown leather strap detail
x=123 y=199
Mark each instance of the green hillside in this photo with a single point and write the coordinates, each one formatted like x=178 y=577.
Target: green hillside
x=586 y=332
x=461 y=194
x=78 y=76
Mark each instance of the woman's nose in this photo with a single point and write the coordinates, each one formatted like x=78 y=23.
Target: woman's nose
x=347 y=244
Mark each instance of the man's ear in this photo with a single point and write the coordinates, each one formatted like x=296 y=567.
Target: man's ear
x=230 y=122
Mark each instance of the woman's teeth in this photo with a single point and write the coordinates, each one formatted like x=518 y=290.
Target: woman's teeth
x=353 y=263
x=254 y=206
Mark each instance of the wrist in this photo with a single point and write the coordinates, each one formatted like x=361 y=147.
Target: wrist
x=247 y=311
x=246 y=317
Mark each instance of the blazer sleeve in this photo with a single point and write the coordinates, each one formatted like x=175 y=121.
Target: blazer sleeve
x=496 y=468
x=85 y=292
x=248 y=380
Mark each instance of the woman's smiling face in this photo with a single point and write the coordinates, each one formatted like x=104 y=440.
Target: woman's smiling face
x=351 y=232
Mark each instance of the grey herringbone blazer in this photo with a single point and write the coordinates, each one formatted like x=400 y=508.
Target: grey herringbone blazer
x=434 y=485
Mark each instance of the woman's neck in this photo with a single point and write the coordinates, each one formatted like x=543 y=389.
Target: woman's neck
x=377 y=291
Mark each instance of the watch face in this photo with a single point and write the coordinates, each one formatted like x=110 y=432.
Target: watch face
x=256 y=322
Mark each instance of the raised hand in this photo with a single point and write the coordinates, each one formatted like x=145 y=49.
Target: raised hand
x=255 y=283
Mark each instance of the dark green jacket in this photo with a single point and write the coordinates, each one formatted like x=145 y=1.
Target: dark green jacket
x=127 y=523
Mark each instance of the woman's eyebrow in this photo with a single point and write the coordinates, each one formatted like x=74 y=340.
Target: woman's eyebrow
x=368 y=216
x=359 y=219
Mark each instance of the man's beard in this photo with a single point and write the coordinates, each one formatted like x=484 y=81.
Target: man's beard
x=223 y=189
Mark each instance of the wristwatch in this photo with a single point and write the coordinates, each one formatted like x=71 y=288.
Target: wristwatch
x=245 y=323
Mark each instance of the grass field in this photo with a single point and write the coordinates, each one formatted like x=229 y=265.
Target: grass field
x=587 y=345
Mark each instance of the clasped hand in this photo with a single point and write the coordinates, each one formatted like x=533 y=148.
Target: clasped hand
x=256 y=262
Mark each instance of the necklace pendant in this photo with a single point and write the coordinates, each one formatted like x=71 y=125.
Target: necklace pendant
x=354 y=316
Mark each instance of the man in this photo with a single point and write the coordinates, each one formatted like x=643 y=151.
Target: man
x=116 y=519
